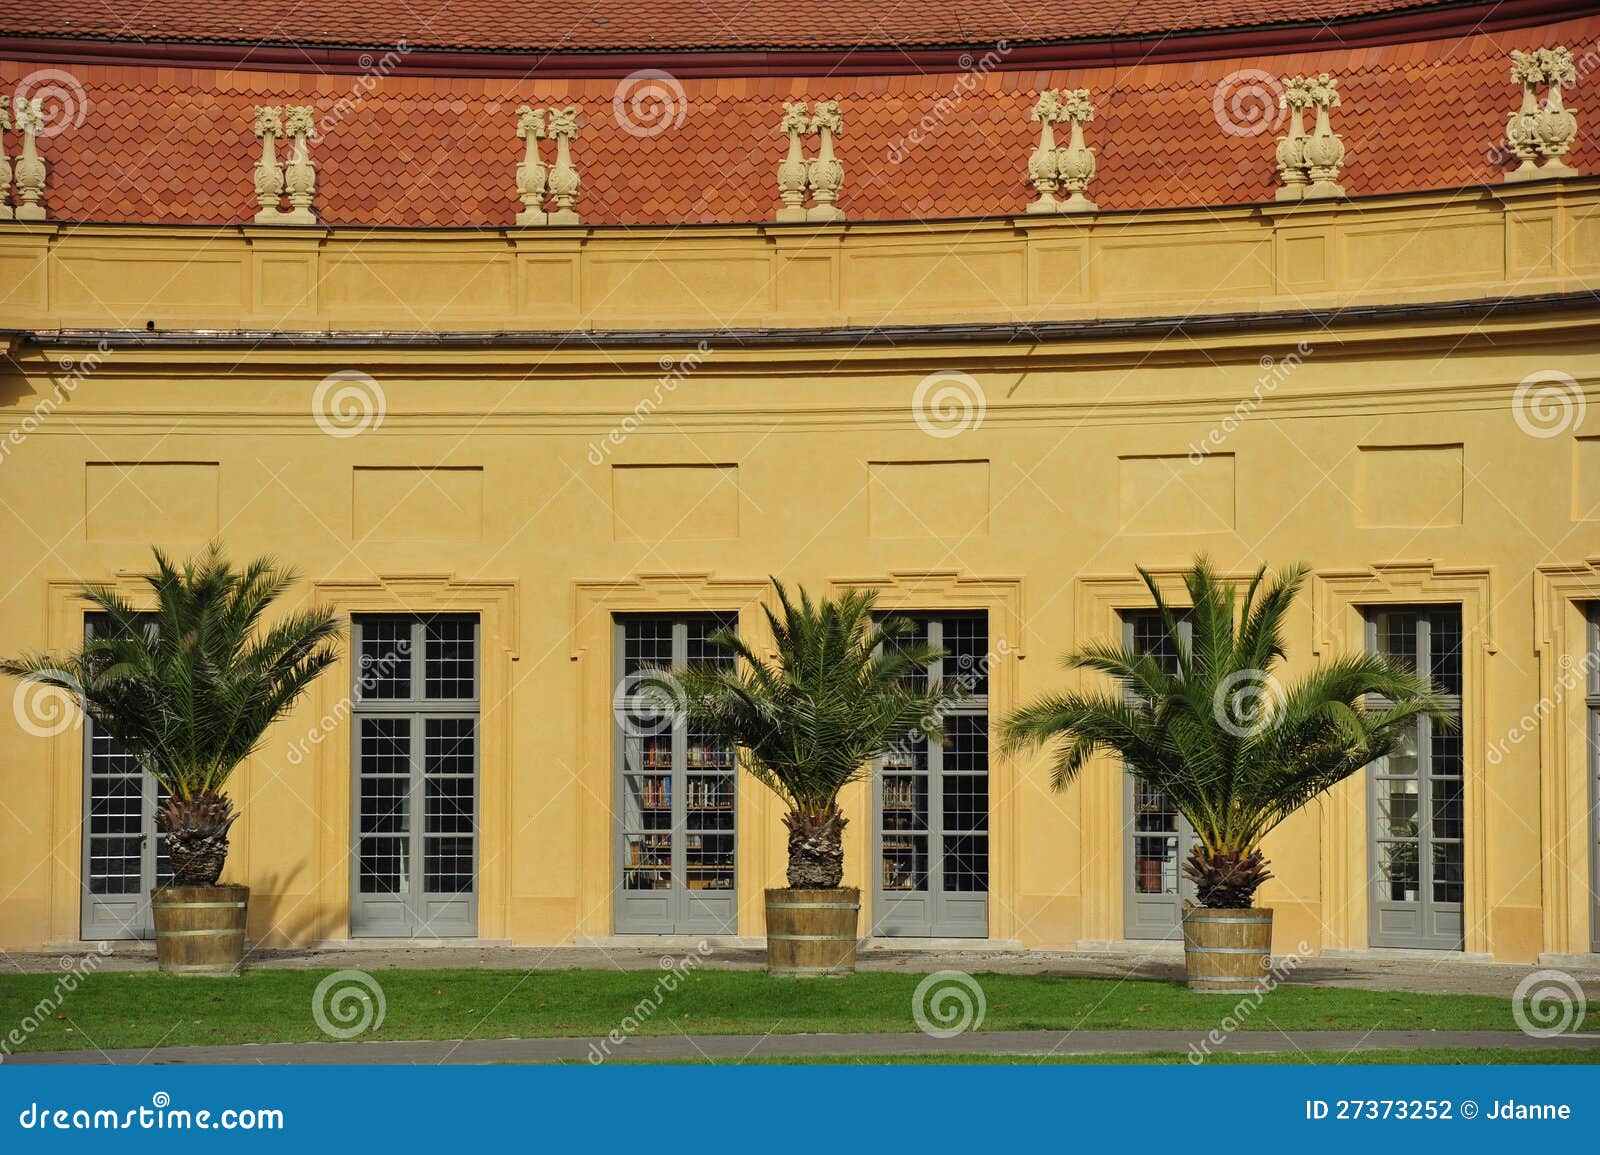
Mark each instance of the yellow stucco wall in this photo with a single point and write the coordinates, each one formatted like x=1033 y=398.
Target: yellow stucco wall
x=547 y=489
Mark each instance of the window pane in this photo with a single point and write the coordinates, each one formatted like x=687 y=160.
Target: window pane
x=384 y=672
x=450 y=658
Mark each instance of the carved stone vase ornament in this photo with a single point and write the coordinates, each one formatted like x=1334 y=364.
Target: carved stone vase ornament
x=826 y=172
x=1075 y=162
x=564 y=182
x=1324 y=148
x=5 y=163
x=30 y=168
x=269 y=174
x=1042 y=166
x=532 y=173
x=1539 y=136
x=1293 y=167
x=299 y=173
x=792 y=171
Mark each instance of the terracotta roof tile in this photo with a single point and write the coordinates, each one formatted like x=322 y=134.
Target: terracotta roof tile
x=164 y=146
x=613 y=25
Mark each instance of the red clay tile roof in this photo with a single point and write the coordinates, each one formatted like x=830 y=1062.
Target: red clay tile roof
x=175 y=145
x=606 y=25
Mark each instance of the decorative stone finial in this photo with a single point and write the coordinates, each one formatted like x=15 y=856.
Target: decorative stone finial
x=30 y=168
x=532 y=172
x=826 y=172
x=1324 y=147
x=269 y=174
x=1293 y=167
x=1076 y=162
x=1043 y=169
x=795 y=124
x=299 y=174
x=1541 y=136
x=5 y=162
x=564 y=183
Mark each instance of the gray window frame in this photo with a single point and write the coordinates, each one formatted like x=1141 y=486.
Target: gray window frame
x=113 y=917
x=1423 y=923
x=417 y=913
x=936 y=912
x=1151 y=916
x=679 y=908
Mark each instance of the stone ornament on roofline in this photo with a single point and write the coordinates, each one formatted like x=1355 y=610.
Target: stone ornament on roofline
x=564 y=183
x=5 y=162
x=558 y=180
x=1540 y=136
x=296 y=176
x=1309 y=163
x=821 y=177
x=1068 y=168
x=30 y=167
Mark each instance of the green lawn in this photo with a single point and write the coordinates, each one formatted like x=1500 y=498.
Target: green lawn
x=1439 y=1056
x=111 y=1010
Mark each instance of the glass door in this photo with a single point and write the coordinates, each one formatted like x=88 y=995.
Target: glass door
x=676 y=787
x=1157 y=839
x=1416 y=794
x=124 y=856
x=932 y=802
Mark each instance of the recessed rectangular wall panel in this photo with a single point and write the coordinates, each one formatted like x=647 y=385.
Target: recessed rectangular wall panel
x=151 y=501
x=1174 y=494
x=1409 y=486
x=943 y=499
x=675 y=502
x=407 y=503
x=1586 y=479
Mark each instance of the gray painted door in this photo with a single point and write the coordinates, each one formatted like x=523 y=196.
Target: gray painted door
x=415 y=761
x=677 y=789
x=124 y=857
x=931 y=838
x=1157 y=838
x=1415 y=795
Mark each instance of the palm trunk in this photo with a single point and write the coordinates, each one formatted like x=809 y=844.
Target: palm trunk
x=816 y=847
x=1226 y=879
x=196 y=830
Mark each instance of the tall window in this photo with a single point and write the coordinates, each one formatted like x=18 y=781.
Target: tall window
x=1416 y=796
x=933 y=801
x=416 y=755
x=676 y=786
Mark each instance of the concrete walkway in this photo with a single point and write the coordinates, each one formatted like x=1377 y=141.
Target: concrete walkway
x=1427 y=972
x=1335 y=1045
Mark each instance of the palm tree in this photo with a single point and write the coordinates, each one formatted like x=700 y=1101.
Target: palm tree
x=1233 y=750
x=190 y=690
x=842 y=690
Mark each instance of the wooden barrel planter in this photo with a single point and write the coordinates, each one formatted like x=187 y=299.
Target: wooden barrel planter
x=200 y=929
x=812 y=933
x=1227 y=951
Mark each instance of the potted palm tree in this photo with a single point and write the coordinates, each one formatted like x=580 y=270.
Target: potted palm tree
x=189 y=692
x=1233 y=749
x=841 y=689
